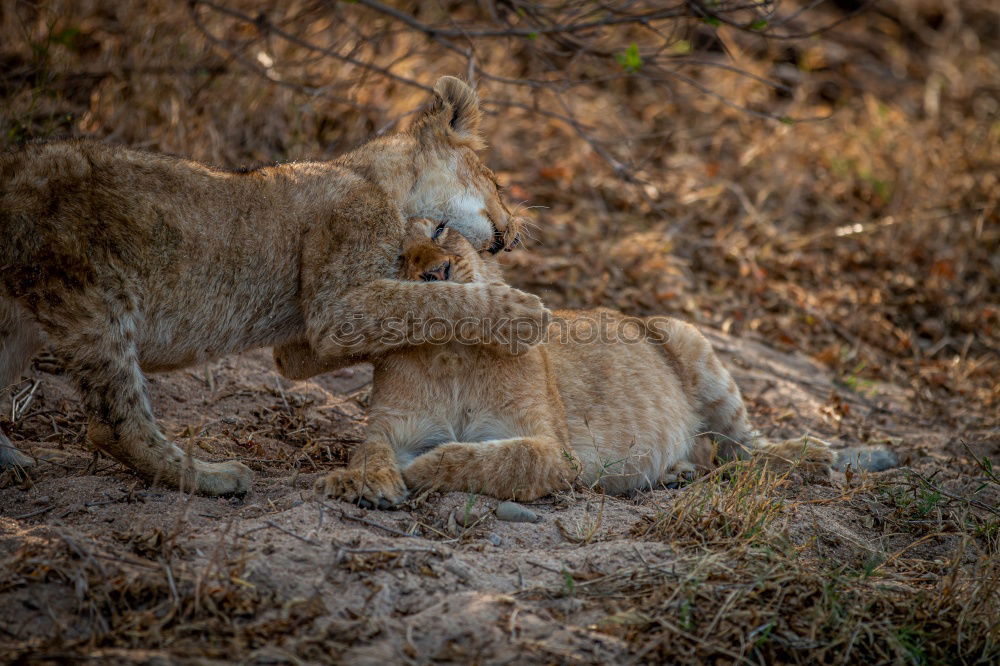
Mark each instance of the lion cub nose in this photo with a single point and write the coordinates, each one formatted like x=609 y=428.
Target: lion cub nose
x=442 y=273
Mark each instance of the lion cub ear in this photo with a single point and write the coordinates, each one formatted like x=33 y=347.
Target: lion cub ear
x=454 y=113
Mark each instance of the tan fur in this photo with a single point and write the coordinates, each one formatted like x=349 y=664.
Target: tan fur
x=131 y=262
x=616 y=414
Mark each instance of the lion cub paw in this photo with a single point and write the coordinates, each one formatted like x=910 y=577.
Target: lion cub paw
x=379 y=487
x=681 y=473
x=221 y=479
x=522 y=319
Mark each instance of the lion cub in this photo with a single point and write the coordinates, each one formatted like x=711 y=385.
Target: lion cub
x=611 y=400
x=130 y=262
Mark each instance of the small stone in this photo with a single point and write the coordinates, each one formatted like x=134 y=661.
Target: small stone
x=513 y=512
x=494 y=538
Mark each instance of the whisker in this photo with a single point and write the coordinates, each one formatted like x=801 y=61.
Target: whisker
x=526 y=233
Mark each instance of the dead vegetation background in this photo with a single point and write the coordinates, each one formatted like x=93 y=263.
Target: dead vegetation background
x=832 y=195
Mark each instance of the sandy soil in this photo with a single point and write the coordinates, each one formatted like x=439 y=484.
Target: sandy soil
x=331 y=581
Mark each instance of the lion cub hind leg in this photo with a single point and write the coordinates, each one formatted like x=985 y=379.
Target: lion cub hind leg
x=103 y=360
x=371 y=478
x=717 y=401
x=522 y=468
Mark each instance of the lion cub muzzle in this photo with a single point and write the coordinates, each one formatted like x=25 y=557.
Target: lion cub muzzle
x=439 y=273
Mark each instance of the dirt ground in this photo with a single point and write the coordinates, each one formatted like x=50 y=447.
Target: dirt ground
x=92 y=558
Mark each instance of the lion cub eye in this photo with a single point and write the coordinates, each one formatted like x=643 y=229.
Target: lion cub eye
x=439 y=230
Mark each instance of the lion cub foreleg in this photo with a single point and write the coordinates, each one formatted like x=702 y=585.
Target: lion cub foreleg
x=521 y=468
x=385 y=315
x=371 y=476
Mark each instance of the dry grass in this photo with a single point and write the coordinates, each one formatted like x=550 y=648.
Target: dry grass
x=739 y=512
x=869 y=241
x=749 y=587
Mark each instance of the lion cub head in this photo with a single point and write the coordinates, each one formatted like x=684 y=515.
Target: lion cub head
x=435 y=252
x=451 y=182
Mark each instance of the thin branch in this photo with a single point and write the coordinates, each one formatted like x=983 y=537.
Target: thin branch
x=254 y=67
x=264 y=25
x=958 y=498
x=438 y=35
x=673 y=13
x=720 y=16
x=370 y=523
x=581 y=49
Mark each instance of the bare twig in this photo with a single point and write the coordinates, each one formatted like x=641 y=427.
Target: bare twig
x=290 y=533
x=983 y=463
x=264 y=25
x=958 y=498
x=638 y=18
x=37 y=512
x=20 y=401
x=370 y=523
x=170 y=581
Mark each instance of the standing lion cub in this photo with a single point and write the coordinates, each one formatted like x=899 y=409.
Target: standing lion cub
x=611 y=400
x=131 y=262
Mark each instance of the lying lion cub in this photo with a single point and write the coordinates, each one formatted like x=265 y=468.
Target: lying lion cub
x=611 y=400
